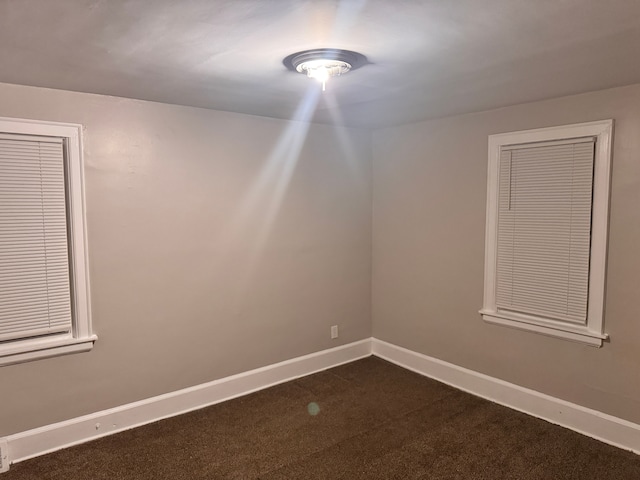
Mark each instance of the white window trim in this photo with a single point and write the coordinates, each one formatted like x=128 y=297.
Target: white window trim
x=82 y=338
x=593 y=332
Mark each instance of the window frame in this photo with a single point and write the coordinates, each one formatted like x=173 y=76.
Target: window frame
x=592 y=333
x=81 y=337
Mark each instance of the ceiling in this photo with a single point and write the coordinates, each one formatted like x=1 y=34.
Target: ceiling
x=428 y=58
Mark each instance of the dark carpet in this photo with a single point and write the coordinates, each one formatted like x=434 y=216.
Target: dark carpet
x=365 y=420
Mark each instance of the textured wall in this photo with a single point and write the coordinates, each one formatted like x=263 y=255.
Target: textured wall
x=429 y=221
x=218 y=243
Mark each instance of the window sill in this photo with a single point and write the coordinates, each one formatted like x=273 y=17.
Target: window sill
x=574 y=333
x=28 y=350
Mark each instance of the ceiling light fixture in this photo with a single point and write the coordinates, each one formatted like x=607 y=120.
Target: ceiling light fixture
x=324 y=63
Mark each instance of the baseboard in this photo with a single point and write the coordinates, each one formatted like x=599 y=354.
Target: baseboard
x=32 y=443
x=601 y=426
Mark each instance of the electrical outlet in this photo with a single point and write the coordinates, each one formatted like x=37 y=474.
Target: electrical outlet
x=4 y=455
x=334 y=331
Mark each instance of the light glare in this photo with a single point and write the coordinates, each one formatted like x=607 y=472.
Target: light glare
x=322 y=69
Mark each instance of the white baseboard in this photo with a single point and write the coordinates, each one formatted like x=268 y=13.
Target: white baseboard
x=32 y=443
x=601 y=426
x=604 y=427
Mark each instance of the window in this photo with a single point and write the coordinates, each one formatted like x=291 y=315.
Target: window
x=546 y=237
x=44 y=294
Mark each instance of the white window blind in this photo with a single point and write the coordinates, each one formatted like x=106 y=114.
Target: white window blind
x=544 y=229
x=35 y=295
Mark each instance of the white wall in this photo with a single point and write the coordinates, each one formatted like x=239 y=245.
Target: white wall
x=218 y=243
x=188 y=284
x=429 y=223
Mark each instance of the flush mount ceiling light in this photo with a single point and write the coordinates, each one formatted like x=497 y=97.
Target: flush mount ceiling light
x=324 y=63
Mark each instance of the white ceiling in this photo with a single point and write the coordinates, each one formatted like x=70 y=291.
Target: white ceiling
x=428 y=57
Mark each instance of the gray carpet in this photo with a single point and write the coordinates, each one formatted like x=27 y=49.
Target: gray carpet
x=365 y=420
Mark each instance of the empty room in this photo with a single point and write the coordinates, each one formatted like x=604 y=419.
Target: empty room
x=319 y=239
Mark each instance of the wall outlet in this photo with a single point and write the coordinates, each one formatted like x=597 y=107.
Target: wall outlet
x=4 y=455
x=334 y=331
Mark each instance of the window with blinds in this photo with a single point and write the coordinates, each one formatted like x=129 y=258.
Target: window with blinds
x=44 y=296
x=547 y=209
x=544 y=229
x=34 y=256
